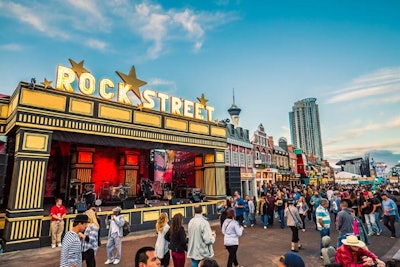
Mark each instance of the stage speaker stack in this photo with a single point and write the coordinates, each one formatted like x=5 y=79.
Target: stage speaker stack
x=128 y=203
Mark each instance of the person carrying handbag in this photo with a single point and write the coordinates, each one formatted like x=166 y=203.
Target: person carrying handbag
x=293 y=220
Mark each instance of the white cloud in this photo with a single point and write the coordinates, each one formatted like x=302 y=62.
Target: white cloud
x=189 y=22
x=358 y=131
x=91 y=16
x=11 y=47
x=77 y=20
x=382 y=82
x=349 y=151
x=97 y=44
x=158 y=81
x=35 y=17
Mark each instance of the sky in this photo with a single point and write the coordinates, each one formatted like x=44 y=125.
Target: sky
x=271 y=53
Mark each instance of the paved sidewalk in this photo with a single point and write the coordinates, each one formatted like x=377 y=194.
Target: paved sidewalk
x=258 y=248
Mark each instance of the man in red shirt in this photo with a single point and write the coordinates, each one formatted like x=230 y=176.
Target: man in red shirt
x=57 y=214
x=353 y=254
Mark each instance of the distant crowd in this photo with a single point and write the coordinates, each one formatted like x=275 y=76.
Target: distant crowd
x=355 y=211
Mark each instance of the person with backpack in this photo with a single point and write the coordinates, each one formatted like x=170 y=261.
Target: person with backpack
x=116 y=223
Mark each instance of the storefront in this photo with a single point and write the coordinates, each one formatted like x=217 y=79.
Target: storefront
x=99 y=134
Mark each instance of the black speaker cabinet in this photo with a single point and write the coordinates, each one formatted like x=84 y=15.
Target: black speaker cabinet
x=128 y=203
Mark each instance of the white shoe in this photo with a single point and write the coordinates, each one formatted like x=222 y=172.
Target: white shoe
x=265 y=227
x=116 y=261
x=109 y=261
x=53 y=246
x=59 y=245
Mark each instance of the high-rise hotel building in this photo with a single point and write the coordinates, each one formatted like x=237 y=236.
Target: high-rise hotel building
x=305 y=128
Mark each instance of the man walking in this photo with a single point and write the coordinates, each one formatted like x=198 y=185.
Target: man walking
x=344 y=222
x=116 y=222
x=323 y=219
x=201 y=237
x=71 y=254
x=239 y=208
x=370 y=205
x=57 y=214
x=389 y=214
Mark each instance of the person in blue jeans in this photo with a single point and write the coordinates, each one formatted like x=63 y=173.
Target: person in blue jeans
x=263 y=209
x=239 y=207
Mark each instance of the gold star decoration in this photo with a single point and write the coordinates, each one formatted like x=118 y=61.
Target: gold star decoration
x=131 y=80
x=140 y=106
x=78 y=67
x=216 y=122
x=202 y=100
x=46 y=83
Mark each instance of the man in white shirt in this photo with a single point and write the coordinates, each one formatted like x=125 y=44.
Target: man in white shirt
x=116 y=222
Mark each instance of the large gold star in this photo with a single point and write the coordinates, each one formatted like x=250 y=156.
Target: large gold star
x=46 y=83
x=202 y=100
x=78 y=67
x=131 y=80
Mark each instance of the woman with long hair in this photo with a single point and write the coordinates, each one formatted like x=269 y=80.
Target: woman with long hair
x=90 y=239
x=223 y=208
x=303 y=209
x=294 y=222
x=161 y=246
x=178 y=241
x=231 y=231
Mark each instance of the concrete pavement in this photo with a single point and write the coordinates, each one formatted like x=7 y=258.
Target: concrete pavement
x=258 y=248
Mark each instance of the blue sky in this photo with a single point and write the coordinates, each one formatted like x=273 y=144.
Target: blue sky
x=344 y=53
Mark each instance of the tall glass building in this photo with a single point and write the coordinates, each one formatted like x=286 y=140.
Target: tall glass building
x=305 y=128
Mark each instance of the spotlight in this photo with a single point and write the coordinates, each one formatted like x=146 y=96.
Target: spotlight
x=32 y=84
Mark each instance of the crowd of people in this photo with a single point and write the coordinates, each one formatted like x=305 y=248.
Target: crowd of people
x=355 y=212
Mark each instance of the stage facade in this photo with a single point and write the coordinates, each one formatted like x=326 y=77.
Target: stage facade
x=57 y=136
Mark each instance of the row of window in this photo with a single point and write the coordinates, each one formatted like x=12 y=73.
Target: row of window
x=238 y=159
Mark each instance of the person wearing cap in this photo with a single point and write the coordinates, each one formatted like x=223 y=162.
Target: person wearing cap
x=71 y=255
x=291 y=259
x=389 y=213
x=116 y=222
x=353 y=253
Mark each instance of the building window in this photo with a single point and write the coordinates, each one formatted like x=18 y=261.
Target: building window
x=242 y=161
x=269 y=158
x=263 y=159
x=227 y=157
x=249 y=161
x=257 y=155
x=235 y=159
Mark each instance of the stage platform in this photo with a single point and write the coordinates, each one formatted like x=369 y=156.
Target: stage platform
x=139 y=217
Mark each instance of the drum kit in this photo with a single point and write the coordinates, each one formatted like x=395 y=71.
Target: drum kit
x=85 y=193
x=114 y=193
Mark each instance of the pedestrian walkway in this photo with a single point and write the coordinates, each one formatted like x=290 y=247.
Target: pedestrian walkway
x=258 y=248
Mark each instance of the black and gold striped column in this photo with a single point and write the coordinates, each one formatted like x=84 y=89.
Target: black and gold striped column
x=25 y=207
x=214 y=175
